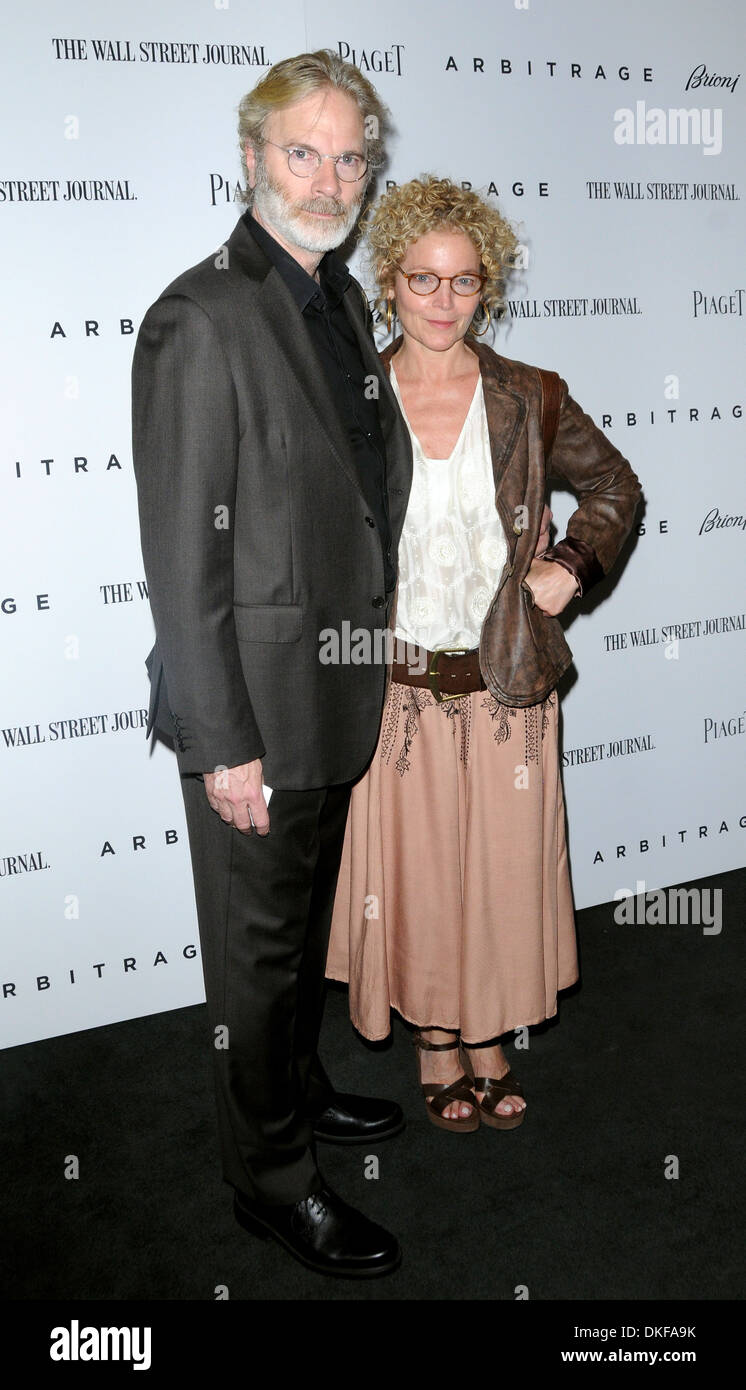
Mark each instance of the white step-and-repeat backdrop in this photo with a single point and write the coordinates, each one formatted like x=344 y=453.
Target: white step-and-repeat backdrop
x=613 y=137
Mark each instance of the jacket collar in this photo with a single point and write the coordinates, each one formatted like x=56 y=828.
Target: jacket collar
x=334 y=277
x=506 y=408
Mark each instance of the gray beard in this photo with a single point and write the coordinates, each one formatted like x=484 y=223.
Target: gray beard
x=276 y=210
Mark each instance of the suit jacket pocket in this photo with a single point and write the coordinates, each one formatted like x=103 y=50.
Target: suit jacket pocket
x=268 y=622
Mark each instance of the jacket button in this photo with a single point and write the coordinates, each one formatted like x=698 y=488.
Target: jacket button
x=379 y=601
x=370 y=520
x=510 y=571
x=517 y=528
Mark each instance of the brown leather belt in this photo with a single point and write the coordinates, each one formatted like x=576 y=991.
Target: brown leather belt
x=447 y=673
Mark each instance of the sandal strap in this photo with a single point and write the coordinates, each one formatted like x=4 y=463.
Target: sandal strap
x=441 y=1096
x=419 y=1041
x=497 y=1088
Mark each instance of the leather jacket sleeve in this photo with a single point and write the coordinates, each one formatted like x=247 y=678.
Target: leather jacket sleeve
x=608 y=493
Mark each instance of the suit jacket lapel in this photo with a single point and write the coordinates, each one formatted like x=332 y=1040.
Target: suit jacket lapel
x=395 y=432
x=284 y=321
x=390 y=413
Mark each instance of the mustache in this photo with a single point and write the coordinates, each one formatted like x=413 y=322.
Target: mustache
x=331 y=206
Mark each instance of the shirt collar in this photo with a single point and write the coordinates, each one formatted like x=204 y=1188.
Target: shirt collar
x=334 y=277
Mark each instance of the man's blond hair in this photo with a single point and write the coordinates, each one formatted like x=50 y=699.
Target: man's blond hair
x=291 y=80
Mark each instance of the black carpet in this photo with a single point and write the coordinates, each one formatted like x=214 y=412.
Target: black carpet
x=642 y=1066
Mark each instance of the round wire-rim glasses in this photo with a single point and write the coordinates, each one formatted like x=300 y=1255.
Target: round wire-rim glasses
x=304 y=160
x=476 y=281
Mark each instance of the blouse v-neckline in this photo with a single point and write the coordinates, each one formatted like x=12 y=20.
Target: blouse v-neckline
x=467 y=417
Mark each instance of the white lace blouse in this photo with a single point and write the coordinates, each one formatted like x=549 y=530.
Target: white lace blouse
x=453 y=547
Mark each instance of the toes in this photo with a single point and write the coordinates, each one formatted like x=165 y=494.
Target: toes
x=514 y=1105
x=457 y=1111
x=509 y=1105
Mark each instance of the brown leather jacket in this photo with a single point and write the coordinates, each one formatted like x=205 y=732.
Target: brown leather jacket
x=523 y=652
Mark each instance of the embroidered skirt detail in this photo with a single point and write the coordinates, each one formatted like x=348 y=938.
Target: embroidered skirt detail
x=454 y=903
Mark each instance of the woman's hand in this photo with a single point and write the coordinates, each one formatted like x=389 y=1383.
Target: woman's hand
x=551 y=585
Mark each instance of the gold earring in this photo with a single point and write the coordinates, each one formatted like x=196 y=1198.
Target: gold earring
x=486 y=309
x=390 y=314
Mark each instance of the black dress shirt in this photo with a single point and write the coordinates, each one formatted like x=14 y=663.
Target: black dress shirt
x=338 y=351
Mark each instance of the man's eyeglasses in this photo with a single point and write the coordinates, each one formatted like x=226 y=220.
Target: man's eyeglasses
x=427 y=282
x=304 y=161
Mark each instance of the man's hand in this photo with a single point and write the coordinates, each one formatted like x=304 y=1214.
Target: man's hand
x=551 y=585
x=236 y=794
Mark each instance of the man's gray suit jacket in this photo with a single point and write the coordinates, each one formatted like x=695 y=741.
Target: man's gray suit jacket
x=255 y=531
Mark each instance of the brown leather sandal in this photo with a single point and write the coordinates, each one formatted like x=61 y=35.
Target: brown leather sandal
x=440 y=1095
x=495 y=1090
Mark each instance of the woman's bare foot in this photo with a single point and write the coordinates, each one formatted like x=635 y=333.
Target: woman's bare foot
x=442 y=1067
x=490 y=1061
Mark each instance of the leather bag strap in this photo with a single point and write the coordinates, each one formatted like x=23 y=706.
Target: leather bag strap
x=551 y=396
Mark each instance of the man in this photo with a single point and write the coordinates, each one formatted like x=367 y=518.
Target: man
x=273 y=470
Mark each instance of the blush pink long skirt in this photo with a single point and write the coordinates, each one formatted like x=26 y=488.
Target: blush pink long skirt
x=454 y=903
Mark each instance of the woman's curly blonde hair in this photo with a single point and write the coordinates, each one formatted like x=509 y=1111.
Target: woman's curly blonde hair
x=410 y=210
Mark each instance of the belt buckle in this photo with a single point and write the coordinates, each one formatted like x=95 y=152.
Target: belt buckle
x=432 y=674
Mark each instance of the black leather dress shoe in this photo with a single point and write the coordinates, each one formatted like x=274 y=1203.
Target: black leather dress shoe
x=324 y=1233
x=358 y=1120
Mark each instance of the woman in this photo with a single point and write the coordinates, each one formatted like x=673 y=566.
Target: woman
x=454 y=903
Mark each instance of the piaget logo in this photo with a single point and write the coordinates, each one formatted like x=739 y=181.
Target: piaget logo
x=373 y=59
x=651 y=125
x=76 y=1343
x=717 y=304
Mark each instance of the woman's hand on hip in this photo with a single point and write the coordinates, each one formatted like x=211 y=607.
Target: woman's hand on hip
x=551 y=585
